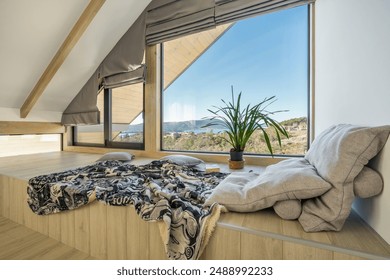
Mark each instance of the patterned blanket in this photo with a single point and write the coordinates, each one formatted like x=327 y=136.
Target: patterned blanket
x=159 y=191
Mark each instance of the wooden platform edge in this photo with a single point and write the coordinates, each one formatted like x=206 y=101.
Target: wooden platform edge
x=308 y=243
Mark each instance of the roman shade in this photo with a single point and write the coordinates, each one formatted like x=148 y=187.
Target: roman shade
x=162 y=20
x=233 y=10
x=170 y=19
x=125 y=78
x=122 y=66
x=167 y=20
x=83 y=108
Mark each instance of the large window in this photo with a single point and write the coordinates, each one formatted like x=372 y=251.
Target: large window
x=261 y=57
x=121 y=115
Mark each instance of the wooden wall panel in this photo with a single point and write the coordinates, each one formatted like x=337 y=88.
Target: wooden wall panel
x=294 y=251
x=152 y=101
x=82 y=229
x=54 y=226
x=254 y=247
x=43 y=223
x=98 y=230
x=116 y=232
x=156 y=246
x=224 y=244
x=137 y=236
x=16 y=199
x=67 y=227
x=30 y=218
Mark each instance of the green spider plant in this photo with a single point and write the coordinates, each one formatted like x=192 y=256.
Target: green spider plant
x=241 y=122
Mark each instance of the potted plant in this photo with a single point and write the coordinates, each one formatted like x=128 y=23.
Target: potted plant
x=241 y=122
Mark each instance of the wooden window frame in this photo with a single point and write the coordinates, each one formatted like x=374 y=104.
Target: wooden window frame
x=310 y=96
x=107 y=128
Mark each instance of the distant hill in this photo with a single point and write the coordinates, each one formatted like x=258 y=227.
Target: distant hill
x=197 y=126
x=291 y=122
x=186 y=126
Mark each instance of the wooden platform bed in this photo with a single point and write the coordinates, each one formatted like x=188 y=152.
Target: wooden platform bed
x=107 y=232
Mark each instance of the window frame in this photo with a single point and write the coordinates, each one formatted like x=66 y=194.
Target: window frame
x=310 y=93
x=107 y=127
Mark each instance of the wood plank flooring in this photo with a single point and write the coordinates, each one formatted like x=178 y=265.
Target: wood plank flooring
x=18 y=242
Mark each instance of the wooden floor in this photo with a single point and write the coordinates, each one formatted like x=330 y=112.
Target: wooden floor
x=18 y=242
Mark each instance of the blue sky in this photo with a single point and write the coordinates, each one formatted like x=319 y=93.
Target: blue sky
x=261 y=57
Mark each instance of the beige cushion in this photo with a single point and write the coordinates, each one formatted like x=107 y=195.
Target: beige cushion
x=288 y=179
x=288 y=209
x=339 y=154
x=368 y=183
x=121 y=156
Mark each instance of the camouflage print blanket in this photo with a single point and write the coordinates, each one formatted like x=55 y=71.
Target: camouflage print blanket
x=159 y=191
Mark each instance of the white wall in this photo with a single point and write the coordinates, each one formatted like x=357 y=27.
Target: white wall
x=13 y=114
x=31 y=34
x=353 y=81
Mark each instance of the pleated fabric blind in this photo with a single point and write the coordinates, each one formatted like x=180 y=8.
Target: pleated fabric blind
x=162 y=20
x=125 y=78
x=122 y=66
x=170 y=19
x=167 y=20
x=233 y=10
x=83 y=108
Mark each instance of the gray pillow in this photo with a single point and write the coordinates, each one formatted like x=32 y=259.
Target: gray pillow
x=288 y=179
x=121 y=156
x=186 y=161
x=339 y=154
x=288 y=209
x=368 y=183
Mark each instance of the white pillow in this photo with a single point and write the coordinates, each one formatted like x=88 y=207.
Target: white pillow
x=288 y=179
x=121 y=156
x=186 y=161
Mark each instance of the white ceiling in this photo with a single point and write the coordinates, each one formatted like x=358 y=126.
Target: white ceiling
x=31 y=32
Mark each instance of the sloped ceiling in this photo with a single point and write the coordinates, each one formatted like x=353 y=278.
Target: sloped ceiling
x=31 y=32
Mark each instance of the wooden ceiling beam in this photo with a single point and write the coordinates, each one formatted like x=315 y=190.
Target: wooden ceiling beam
x=75 y=34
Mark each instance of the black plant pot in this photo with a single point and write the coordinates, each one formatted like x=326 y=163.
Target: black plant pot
x=236 y=160
x=236 y=156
